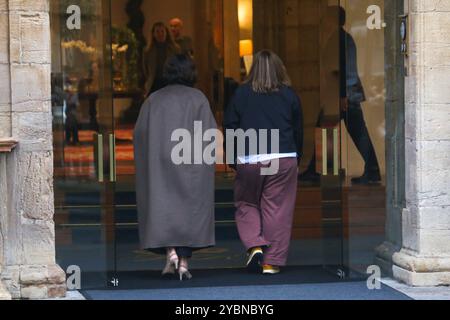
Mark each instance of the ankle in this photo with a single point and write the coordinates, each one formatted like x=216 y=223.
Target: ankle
x=171 y=252
x=184 y=263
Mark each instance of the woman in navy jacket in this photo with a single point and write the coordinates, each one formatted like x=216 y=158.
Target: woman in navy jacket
x=265 y=202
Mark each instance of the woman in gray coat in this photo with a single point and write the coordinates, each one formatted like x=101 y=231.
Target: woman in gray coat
x=175 y=201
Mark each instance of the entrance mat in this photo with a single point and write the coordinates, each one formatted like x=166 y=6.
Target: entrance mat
x=223 y=278
x=320 y=291
x=229 y=284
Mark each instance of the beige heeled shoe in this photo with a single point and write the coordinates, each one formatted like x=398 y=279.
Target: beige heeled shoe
x=171 y=264
x=184 y=271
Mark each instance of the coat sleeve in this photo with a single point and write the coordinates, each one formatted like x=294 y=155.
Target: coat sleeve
x=147 y=66
x=297 y=124
x=145 y=72
x=207 y=117
x=231 y=122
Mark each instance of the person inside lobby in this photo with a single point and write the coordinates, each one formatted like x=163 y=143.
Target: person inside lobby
x=183 y=41
x=160 y=49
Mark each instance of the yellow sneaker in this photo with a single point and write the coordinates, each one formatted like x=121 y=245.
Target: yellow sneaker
x=255 y=257
x=268 y=269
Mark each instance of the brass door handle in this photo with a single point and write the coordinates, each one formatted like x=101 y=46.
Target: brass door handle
x=324 y=152
x=335 y=152
x=99 y=157
x=112 y=158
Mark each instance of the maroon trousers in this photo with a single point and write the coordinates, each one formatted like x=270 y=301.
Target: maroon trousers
x=265 y=208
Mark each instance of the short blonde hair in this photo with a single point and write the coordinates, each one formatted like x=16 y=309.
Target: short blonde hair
x=268 y=73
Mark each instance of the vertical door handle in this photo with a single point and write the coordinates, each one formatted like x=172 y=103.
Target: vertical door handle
x=112 y=158
x=335 y=152
x=324 y=152
x=99 y=157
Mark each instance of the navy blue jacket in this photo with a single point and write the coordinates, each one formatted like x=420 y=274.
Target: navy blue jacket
x=280 y=110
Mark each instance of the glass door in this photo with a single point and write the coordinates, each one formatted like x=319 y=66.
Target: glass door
x=306 y=36
x=327 y=136
x=224 y=35
x=82 y=122
x=367 y=123
x=203 y=27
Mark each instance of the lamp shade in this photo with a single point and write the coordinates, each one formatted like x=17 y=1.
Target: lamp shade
x=245 y=48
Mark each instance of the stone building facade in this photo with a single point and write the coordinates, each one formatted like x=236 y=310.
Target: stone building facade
x=424 y=259
x=419 y=255
x=27 y=245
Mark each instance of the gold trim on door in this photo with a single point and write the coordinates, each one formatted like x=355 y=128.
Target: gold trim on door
x=112 y=158
x=335 y=152
x=324 y=152
x=98 y=154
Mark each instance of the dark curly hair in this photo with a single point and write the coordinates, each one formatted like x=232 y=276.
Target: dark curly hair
x=180 y=69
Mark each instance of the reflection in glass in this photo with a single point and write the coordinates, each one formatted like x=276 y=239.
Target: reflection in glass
x=80 y=88
x=82 y=115
x=193 y=27
x=98 y=86
x=364 y=142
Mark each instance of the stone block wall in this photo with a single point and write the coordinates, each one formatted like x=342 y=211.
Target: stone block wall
x=425 y=256
x=5 y=96
x=5 y=131
x=4 y=204
x=27 y=245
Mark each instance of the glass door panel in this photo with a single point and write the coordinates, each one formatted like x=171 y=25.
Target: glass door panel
x=327 y=135
x=225 y=34
x=366 y=123
x=305 y=34
x=203 y=25
x=82 y=122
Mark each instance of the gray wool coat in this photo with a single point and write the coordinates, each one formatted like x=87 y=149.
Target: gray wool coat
x=175 y=202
